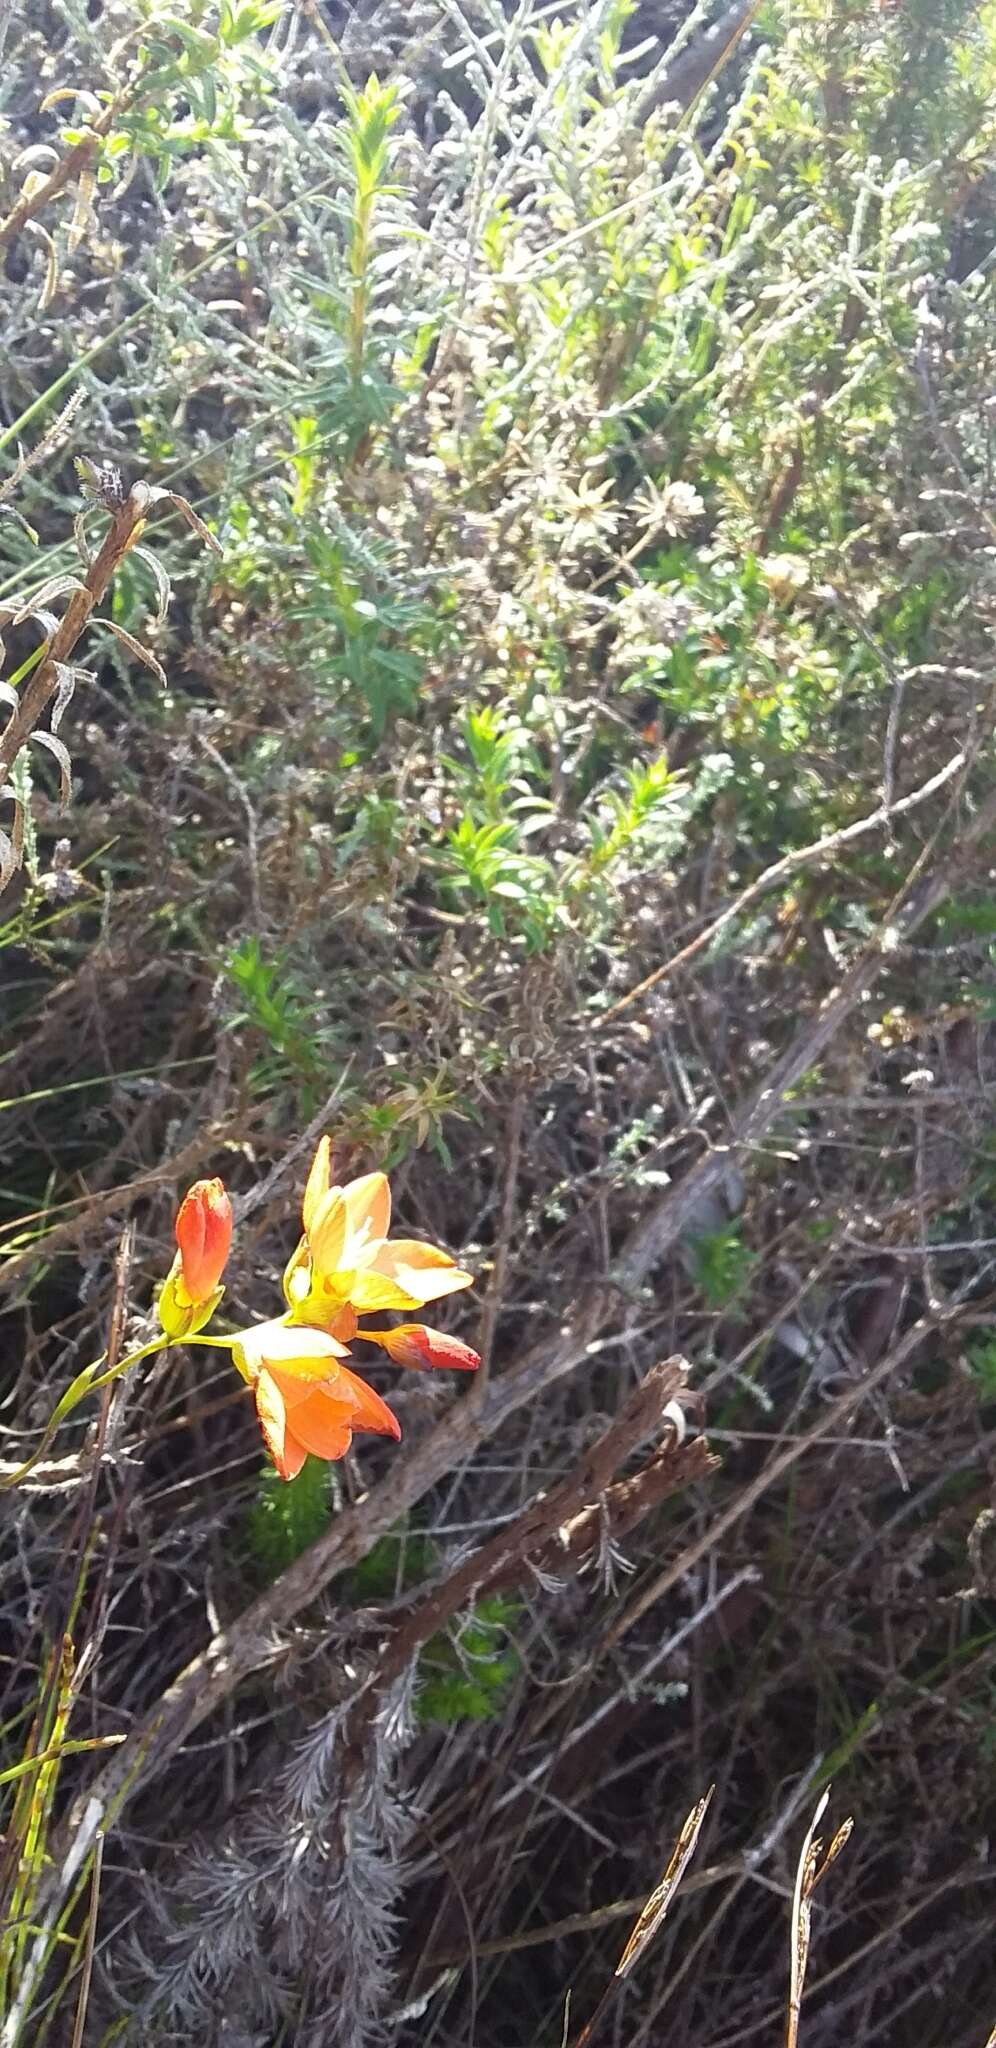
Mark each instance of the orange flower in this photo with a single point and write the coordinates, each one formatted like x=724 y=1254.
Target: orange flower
x=345 y=1261
x=204 y=1235
x=192 y=1288
x=418 y=1347
x=306 y=1400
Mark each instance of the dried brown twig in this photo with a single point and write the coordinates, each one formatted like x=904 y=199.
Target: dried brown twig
x=559 y=1530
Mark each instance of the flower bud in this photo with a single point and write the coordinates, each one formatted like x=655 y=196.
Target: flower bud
x=420 y=1348
x=204 y=1235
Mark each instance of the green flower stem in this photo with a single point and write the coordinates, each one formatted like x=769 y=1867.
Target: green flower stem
x=86 y=1382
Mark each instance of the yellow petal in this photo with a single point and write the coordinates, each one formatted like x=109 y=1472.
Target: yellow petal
x=370 y=1293
x=297 y=1273
x=319 y=1181
x=419 y=1272
x=368 y=1208
x=327 y=1236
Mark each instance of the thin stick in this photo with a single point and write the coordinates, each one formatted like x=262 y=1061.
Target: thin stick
x=91 y=1939
x=506 y=1227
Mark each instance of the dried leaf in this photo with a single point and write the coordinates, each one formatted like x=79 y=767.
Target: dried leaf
x=38 y=153
x=54 y=746
x=47 y=620
x=9 y=862
x=66 y=679
x=79 y=535
x=657 y=1905
x=51 y=281
x=808 y=1875
x=12 y=845
x=46 y=594
x=142 y=654
x=164 y=588
x=192 y=518
x=88 y=100
x=83 y=213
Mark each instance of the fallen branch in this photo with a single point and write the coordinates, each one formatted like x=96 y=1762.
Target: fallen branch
x=559 y=1529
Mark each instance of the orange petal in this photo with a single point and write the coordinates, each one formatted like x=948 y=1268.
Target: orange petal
x=368 y=1410
x=271 y=1414
x=293 y=1390
x=343 y=1326
x=368 y=1207
x=321 y=1424
x=420 y=1272
x=318 y=1182
x=419 y=1348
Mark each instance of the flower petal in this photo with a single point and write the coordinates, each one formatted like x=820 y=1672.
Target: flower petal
x=297 y=1273
x=327 y=1235
x=368 y=1208
x=419 y=1272
x=320 y=1424
x=418 y=1347
x=318 y=1182
x=369 y=1411
x=344 y=1325
x=271 y=1414
x=305 y=1353
x=293 y=1389
x=371 y=1292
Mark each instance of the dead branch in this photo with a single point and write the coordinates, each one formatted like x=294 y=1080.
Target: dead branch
x=558 y=1528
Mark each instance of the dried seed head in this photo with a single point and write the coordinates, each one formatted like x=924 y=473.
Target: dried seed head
x=101 y=483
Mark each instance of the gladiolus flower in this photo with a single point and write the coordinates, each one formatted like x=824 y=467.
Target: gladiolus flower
x=192 y=1288
x=345 y=1261
x=306 y=1400
x=420 y=1348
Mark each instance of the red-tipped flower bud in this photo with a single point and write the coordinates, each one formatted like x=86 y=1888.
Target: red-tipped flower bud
x=204 y=1235
x=420 y=1348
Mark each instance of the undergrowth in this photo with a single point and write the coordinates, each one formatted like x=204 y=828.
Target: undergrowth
x=571 y=784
